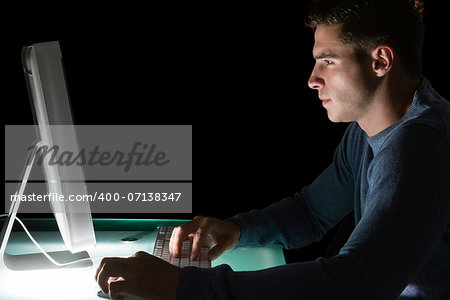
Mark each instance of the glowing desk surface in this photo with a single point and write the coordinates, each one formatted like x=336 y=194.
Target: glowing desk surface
x=79 y=283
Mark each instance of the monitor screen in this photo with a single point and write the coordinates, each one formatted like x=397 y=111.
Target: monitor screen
x=43 y=68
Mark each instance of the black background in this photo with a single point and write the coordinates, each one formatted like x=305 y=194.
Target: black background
x=237 y=74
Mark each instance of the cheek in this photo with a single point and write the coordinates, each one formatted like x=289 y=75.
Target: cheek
x=349 y=86
x=343 y=89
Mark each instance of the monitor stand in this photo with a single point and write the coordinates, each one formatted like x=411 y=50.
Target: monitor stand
x=33 y=261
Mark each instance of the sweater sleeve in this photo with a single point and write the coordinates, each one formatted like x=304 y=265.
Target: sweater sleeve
x=407 y=210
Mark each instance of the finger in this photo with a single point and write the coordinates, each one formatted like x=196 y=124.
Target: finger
x=102 y=262
x=117 y=288
x=174 y=241
x=180 y=234
x=200 y=238
x=191 y=237
x=216 y=251
x=141 y=254
x=111 y=268
x=113 y=278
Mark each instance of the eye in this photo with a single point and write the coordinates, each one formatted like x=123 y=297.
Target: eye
x=328 y=62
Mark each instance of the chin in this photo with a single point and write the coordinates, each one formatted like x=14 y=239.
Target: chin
x=338 y=120
x=337 y=117
x=333 y=118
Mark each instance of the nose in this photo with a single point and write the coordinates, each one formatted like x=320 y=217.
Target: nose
x=315 y=81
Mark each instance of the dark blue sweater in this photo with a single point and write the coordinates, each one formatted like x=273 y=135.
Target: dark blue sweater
x=398 y=185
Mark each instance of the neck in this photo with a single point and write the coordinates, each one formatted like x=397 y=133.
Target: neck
x=391 y=100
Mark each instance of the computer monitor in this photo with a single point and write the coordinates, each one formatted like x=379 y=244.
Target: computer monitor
x=42 y=64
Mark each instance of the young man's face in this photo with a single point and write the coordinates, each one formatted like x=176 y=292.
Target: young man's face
x=343 y=81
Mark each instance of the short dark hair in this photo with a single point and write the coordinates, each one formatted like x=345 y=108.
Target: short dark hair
x=367 y=24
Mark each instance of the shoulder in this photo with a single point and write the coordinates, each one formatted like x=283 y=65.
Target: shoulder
x=415 y=153
x=422 y=140
x=437 y=115
x=433 y=125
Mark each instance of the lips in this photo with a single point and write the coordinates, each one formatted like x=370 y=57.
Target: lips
x=324 y=100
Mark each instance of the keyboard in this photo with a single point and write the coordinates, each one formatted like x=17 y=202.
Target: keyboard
x=161 y=250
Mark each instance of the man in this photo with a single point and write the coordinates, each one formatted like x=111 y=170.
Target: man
x=392 y=168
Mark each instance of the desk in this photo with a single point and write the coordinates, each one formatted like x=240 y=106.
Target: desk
x=79 y=283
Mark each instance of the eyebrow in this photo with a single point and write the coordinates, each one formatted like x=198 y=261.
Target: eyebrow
x=326 y=55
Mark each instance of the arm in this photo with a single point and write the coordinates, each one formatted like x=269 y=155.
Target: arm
x=293 y=222
x=406 y=213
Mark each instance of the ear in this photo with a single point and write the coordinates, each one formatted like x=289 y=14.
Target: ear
x=382 y=60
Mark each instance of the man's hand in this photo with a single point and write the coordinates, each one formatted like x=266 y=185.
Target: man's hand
x=213 y=233
x=142 y=275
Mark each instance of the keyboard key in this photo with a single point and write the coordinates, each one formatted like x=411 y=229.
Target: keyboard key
x=161 y=250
